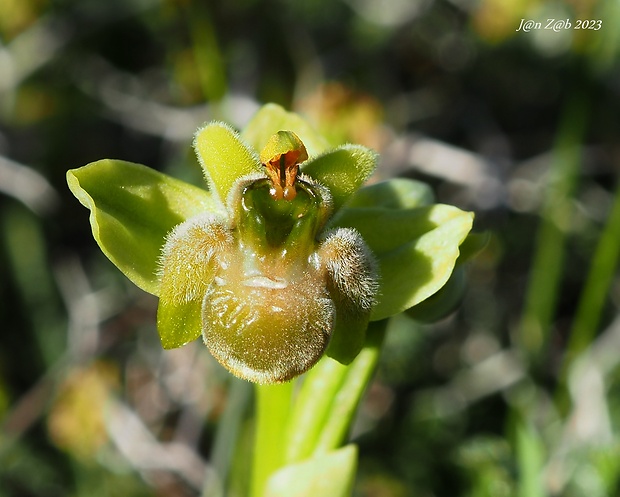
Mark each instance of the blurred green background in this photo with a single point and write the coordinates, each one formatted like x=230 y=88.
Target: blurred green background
x=517 y=393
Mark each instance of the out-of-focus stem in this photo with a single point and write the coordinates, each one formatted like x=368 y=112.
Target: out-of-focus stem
x=547 y=268
x=593 y=296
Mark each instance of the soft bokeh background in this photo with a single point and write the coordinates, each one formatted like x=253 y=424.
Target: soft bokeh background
x=517 y=393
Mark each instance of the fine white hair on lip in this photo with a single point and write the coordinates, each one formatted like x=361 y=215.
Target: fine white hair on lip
x=351 y=267
x=190 y=247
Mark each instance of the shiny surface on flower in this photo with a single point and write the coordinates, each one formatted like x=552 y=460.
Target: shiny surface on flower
x=270 y=292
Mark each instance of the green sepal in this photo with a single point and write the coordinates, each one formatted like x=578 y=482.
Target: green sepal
x=396 y=193
x=132 y=209
x=348 y=336
x=416 y=250
x=342 y=170
x=224 y=157
x=272 y=118
x=331 y=474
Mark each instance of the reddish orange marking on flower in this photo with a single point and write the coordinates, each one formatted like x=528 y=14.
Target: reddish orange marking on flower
x=281 y=158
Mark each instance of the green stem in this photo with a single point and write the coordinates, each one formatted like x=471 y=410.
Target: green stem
x=597 y=284
x=593 y=296
x=546 y=272
x=312 y=406
x=228 y=430
x=530 y=461
x=345 y=403
x=328 y=400
x=273 y=404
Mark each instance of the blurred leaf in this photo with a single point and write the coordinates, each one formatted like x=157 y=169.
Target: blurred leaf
x=208 y=57
x=224 y=157
x=487 y=464
x=606 y=460
x=416 y=249
x=342 y=170
x=272 y=118
x=327 y=475
x=76 y=421
x=132 y=209
x=23 y=234
x=530 y=460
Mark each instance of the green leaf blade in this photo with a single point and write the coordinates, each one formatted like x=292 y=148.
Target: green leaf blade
x=132 y=209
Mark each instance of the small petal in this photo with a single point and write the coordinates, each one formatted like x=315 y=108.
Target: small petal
x=272 y=118
x=224 y=157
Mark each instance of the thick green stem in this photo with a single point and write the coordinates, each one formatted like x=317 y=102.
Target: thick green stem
x=328 y=400
x=345 y=403
x=273 y=404
x=312 y=406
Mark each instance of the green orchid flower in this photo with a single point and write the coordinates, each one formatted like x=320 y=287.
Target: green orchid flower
x=285 y=257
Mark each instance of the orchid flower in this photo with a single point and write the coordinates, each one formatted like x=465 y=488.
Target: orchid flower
x=285 y=257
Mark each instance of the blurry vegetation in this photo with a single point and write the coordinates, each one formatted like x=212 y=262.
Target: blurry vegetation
x=515 y=394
